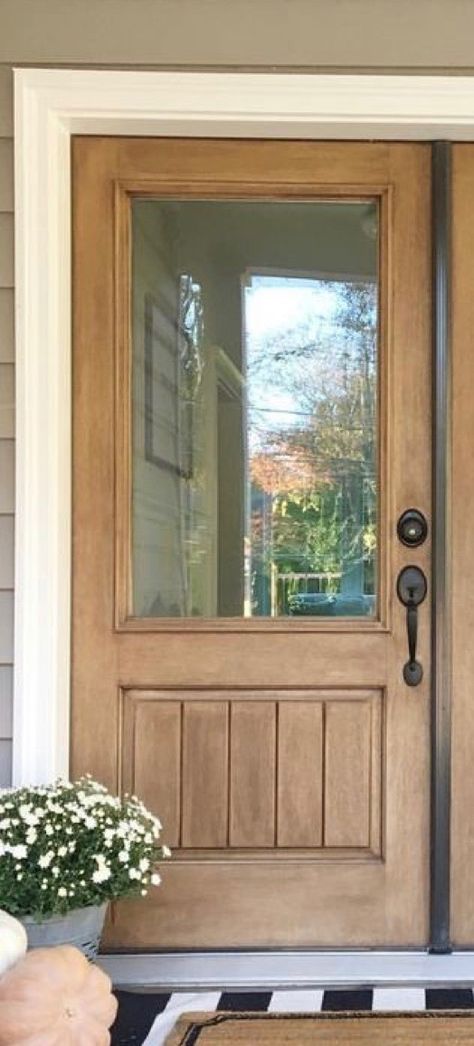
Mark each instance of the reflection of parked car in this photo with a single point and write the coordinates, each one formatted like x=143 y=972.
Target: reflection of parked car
x=323 y=604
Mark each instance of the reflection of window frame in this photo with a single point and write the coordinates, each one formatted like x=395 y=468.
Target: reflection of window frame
x=154 y=347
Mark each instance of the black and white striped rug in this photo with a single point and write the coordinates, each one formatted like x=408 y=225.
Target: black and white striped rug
x=148 y=1018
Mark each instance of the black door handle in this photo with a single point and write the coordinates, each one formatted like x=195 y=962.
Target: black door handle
x=412 y=587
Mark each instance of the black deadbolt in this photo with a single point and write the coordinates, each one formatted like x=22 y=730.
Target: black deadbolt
x=412 y=528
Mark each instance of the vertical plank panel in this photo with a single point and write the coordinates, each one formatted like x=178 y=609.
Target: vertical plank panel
x=252 y=773
x=347 y=762
x=205 y=774
x=300 y=769
x=157 y=762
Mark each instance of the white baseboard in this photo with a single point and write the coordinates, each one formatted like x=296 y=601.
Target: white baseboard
x=174 y=971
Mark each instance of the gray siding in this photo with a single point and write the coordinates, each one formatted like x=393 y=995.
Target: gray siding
x=293 y=33
x=7 y=423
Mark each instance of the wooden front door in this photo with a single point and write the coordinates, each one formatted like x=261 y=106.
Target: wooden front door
x=251 y=418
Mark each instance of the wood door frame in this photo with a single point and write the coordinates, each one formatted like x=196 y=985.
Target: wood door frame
x=50 y=106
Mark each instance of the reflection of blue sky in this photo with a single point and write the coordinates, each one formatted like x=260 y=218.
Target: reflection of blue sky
x=276 y=305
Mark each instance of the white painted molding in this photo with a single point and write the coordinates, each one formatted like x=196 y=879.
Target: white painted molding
x=50 y=106
x=204 y=971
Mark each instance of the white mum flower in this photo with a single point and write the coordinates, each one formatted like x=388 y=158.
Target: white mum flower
x=134 y=873
x=62 y=851
x=124 y=856
x=155 y=879
x=49 y=830
x=62 y=892
x=166 y=851
x=31 y=835
x=101 y=874
x=5 y=823
x=19 y=852
x=45 y=859
x=144 y=864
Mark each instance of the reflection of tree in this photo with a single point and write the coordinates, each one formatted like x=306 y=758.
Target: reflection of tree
x=320 y=469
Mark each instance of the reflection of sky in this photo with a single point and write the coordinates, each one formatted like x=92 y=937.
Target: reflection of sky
x=276 y=304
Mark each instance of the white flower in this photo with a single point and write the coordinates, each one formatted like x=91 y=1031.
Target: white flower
x=44 y=886
x=31 y=835
x=62 y=892
x=101 y=874
x=28 y=815
x=166 y=851
x=124 y=856
x=133 y=873
x=45 y=859
x=19 y=852
x=49 y=829
x=155 y=879
x=144 y=864
x=62 y=851
x=90 y=822
x=5 y=823
x=143 y=892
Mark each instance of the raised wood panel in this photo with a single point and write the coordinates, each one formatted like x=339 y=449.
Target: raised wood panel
x=347 y=774
x=252 y=774
x=152 y=764
x=205 y=768
x=246 y=772
x=300 y=774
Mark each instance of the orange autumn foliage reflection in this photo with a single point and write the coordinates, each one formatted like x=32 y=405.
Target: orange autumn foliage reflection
x=285 y=468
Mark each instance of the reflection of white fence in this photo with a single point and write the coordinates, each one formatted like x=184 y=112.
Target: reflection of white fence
x=292 y=582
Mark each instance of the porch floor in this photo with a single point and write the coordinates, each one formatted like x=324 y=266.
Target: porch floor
x=148 y=1017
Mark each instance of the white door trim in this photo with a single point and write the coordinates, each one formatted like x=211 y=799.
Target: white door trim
x=50 y=106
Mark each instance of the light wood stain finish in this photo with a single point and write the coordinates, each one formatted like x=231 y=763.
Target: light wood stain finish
x=201 y=717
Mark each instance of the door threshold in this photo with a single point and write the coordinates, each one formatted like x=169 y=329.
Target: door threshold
x=186 y=971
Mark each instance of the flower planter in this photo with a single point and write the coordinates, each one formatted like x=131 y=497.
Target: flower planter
x=82 y=928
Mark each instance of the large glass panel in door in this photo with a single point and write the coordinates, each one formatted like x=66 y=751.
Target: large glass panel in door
x=255 y=359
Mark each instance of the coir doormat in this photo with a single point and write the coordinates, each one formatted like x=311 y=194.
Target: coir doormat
x=342 y=1029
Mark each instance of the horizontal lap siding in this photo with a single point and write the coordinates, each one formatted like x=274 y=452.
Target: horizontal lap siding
x=7 y=423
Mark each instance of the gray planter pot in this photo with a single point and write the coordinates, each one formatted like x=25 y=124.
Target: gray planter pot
x=81 y=928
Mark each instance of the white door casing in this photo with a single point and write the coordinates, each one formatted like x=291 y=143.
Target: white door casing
x=50 y=106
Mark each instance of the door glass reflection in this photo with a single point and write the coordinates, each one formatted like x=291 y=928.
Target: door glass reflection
x=255 y=434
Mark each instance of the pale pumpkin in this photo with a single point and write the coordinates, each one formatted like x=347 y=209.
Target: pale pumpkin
x=13 y=941
x=55 y=997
